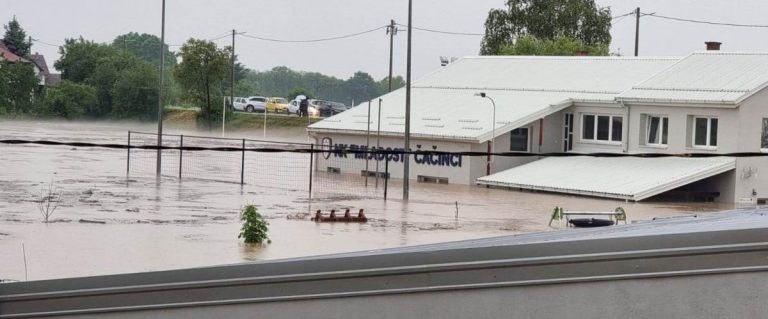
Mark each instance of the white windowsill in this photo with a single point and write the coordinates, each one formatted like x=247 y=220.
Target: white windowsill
x=599 y=142
x=764 y=150
x=656 y=146
x=702 y=148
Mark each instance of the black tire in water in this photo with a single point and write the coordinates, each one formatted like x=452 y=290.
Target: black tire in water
x=590 y=222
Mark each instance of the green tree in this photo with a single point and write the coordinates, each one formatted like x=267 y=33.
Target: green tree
x=382 y=86
x=145 y=46
x=361 y=87
x=134 y=93
x=528 y=45
x=255 y=228
x=202 y=69
x=80 y=58
x=69 y=100
x=298 y=91
x=18 y=87
x=16 y=39
x=546 y=19
x=125 y=84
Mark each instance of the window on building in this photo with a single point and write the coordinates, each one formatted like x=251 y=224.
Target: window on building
x=519 y=140
x=705 y=131
x=657 y=129
x=764 y=135
x=602 y=127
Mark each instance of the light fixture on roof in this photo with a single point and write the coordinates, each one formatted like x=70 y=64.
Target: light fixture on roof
x=444 y=60
x=491 y=142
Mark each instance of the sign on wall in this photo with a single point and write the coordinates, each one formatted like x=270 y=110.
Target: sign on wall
x=342 y=151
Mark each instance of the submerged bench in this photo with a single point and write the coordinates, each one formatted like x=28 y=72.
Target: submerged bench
x=615 y=216
x=347 y=218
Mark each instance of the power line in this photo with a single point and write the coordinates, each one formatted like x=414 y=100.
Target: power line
x=706 y=22
x=45 y=43
x=443 y=32
x=623 y=15
x=314 y=40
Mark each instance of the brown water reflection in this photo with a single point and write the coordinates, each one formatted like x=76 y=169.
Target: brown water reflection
x=191 y=223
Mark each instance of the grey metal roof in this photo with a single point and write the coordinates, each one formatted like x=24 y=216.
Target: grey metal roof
x=659 y=250
x=525 y=88
x=628 y=178
x=706 y=78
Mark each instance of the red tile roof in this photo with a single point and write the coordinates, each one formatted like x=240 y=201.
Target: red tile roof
x=7 y=54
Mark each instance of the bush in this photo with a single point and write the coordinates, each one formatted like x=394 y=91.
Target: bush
x=255 y=228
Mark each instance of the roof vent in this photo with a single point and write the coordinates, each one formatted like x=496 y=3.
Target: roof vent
x=713 y=45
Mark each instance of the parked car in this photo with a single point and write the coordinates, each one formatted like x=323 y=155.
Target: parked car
x=240 y=104
x=293 y=108
x=328 y=108
x=256 y=104
x=277 y=105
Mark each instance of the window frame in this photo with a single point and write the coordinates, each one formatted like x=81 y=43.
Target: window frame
x=763 y=133
x=708 y=133
x=595 y=133
x=662 y=128
x=527 y=139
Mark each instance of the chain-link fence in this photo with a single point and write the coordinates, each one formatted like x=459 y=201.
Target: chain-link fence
x=275 y=165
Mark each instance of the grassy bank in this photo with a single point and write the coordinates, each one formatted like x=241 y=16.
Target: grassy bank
x=187 y=118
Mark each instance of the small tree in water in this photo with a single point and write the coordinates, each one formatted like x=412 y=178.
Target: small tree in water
x=255 y=228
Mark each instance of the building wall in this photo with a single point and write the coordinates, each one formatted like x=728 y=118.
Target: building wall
x=751 y=172
x=351 y=165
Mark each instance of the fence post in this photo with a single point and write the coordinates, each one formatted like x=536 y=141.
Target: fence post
x=386 y=177
x=242 y=166
x=128 y=162
x=311 y=166
x=181 y=153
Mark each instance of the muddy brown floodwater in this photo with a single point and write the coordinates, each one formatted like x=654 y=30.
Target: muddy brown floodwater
x=146 y=226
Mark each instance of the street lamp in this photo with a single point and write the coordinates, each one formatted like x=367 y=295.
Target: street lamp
x=493 y=132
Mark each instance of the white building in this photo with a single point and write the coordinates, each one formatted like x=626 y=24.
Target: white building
x=707 y=102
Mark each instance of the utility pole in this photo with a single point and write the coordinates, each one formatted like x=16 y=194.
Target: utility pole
x=392 y=31
x=407 y=157
x=231 y=87
x=160 y=95
x=637 y=29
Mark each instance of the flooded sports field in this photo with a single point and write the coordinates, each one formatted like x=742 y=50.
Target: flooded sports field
x=110 y=222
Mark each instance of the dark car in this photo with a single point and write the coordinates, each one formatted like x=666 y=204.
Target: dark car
x=328 y=108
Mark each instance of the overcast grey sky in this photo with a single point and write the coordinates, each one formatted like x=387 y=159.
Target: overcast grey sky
x=53 y=20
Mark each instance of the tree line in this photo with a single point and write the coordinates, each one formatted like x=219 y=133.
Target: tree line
x=119 y=80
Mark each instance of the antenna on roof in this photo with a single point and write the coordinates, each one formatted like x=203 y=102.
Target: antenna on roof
x=444 y=61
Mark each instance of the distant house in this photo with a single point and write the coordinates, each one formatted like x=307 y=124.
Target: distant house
x=38 y=60
x=48 y=78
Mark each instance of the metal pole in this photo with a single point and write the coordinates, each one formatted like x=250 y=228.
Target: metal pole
x=378 y=140
x=493 y=137
x=242 y=166
x=181 y=153
x=231 y=86
x=128 y=162
x=311 y=166
x=264 y=133
x=160 y=95
x=386 y=176
x=407 y=157
x=368 y=144
x=637 y=29
x=392 y=30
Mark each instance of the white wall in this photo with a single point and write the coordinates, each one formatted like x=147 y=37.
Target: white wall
x=351 y=165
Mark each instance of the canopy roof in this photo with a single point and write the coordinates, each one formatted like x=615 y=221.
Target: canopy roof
x=629 y=178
